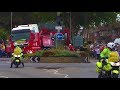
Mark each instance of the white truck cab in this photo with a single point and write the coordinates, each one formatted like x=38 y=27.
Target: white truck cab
x=32 y=27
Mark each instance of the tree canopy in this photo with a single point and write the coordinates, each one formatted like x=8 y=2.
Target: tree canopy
x=86 y=19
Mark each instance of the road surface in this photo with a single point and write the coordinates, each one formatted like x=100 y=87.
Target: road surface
x=48 y=70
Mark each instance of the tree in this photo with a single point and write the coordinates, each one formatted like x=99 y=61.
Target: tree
x=89 y=19
x=4 y=34
x=86 y=19
x=38 y=17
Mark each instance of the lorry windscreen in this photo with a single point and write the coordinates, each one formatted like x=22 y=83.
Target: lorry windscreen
x=20 y=34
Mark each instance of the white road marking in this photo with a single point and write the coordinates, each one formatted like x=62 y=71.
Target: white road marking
x=3 y=64
x=3 y=76
x=8 y=62
x=56 y=72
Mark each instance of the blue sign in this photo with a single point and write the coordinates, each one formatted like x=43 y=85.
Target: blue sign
x=59 y=36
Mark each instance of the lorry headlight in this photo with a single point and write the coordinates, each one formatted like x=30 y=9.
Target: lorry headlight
x=15 y=43
x=31 y=52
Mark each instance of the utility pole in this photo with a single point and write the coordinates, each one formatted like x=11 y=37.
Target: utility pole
x=58 y=30
x=85 y=22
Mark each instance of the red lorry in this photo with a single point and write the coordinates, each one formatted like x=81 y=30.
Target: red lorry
x=31 y=39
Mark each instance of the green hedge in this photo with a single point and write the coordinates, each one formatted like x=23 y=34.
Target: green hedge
x=53 y=52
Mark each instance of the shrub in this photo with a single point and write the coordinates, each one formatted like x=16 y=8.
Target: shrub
x=48 y=53
x=40 y=53
x=63 y=53
x=3 y=34
x=26 y=56
x=54 y=52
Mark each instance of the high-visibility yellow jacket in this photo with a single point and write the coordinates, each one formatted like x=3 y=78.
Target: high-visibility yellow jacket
x=17 y=50
x=105 y=53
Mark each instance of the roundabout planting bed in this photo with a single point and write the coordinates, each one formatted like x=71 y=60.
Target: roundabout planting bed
x=55 y=56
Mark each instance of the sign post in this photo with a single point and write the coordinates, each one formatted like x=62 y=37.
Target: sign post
x=58 y=36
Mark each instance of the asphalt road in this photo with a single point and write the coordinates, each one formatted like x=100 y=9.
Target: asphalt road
x=48 y=70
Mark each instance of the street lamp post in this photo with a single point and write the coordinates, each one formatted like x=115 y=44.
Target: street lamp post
x=70 y=25
x=11 y=20
x=70 y=29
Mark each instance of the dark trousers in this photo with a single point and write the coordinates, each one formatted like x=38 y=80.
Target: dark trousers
x=14 y=62
x=4 y=54
x=8 y=54
x=0 y=53
x=98 y=56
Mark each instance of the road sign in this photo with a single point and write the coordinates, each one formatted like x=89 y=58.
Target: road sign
x=59 y=36
x=77 y=41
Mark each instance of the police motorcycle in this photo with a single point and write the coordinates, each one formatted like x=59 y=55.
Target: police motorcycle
x=115 y=69
x=114 y=60
x=108 y=69
x=17 y=60
x=103 y=68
